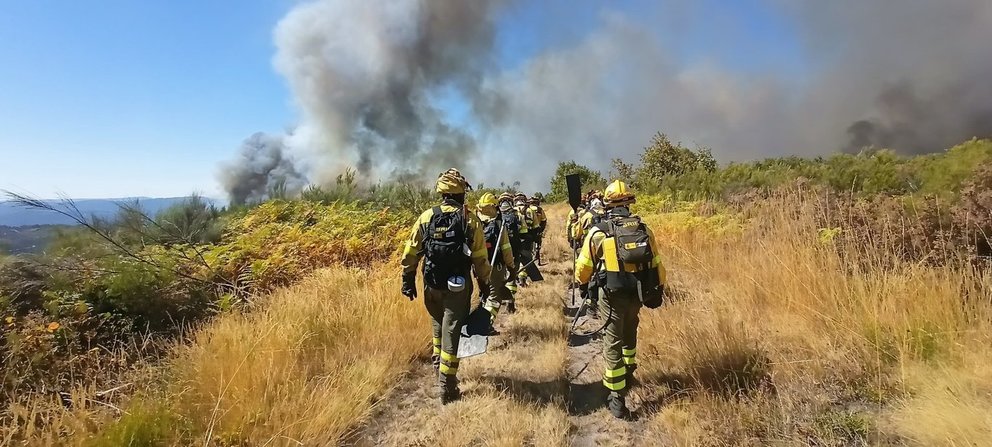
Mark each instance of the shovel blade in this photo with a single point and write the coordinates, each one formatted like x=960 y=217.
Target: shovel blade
x=533 y=273
x=472 y=345
x=475 y=333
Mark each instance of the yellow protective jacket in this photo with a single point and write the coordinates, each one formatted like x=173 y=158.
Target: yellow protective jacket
x=585 y=223
x=593 y=248
x=575 y=231
x=569 y=223
x=526 y=220
x=506 y=251
x=539 y=217
x=413 y=249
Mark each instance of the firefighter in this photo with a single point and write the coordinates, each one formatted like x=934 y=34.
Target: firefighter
x=451 y=241
x=503 y=265
x=540 y=222
x=514 y=224
x=526 y=237
x=573 y=219
x=624 y=250
x=592 y=200
x=593 y=216
x=593 y=213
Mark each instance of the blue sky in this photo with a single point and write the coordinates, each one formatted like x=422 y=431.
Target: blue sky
x=117 y=98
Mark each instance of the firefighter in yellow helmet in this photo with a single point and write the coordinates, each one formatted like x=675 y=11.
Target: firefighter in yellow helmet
x=500 y=254
x=540 y=224
x=451 y=242
x=514 y=224
x=526 y=236
x=573 y=219
x=595 y=213
x=593 y=207
x=623 y=248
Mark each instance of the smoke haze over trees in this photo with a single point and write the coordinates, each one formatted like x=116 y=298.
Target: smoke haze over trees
x=374 y=82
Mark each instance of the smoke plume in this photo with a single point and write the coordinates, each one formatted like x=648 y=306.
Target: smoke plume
x=364 y=72
x=914 y=76
x=262 y=167
x=369 y=78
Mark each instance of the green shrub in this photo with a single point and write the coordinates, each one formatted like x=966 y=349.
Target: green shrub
x=192 y=221
x=589 y=178
x=280 y=241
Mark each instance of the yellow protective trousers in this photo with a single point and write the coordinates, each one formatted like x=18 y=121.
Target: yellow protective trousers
x=449 y=311
x=620 y=337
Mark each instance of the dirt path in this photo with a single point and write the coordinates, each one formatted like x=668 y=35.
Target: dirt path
x=515 y=394
x=535 y=386
x=591 y=421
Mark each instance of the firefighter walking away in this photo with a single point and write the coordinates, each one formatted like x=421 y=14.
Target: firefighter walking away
x=621 y=248
x=452 y=244
x=500 y=254
x=540 y=224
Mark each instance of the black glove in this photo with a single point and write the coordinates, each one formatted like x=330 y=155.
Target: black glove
x=410 y=285
x=485 y=291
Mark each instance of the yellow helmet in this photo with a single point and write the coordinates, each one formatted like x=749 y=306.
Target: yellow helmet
x=487 y=199
x=452 y=182
x=618 y=194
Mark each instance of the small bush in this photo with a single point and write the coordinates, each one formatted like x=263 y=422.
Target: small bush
x=281 y=241
x=726 y=360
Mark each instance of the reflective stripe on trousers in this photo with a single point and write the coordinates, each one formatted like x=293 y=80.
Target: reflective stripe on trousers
x=629 y=356
x=449 y=364
x=615 y=379
x=619 y=337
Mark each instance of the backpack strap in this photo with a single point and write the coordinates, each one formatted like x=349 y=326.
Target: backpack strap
x=608 y=226
x=429 y=225
x=604 y=226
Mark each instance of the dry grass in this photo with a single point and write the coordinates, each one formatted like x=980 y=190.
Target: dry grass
x=305 y=368
x=308 y=367
x=775 y=336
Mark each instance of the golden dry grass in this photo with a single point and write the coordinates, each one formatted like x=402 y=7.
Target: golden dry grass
x=773 y=336
x=770 y=336
x=304 y=368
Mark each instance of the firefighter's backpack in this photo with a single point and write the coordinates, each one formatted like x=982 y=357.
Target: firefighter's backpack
x=445 y=239
x=629 y=260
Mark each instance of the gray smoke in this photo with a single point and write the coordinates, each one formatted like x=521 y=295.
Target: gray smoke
x=365 y=75
x=912 y=75
x=261 y=168
x=914 y=124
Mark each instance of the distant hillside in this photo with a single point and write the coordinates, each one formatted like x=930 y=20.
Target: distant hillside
x=26 y=239
x=13 y=215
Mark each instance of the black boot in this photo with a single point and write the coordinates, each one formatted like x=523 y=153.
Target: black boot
x=618 y=408
x=630 y=374
x=450 y=393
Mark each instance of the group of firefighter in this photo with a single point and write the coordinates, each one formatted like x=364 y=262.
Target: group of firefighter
x=617 y=268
